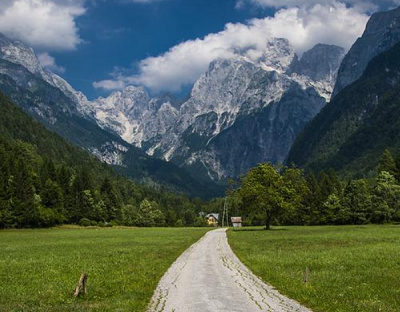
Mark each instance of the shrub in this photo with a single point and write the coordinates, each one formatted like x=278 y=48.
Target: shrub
x=84 y=222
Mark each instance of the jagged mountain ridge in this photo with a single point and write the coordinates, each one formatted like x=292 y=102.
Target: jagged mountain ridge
x=232 y=95
x=240 y=112
x=52 y=101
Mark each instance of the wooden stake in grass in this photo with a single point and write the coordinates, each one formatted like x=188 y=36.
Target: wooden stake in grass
x=81 y=288
x=306 y=275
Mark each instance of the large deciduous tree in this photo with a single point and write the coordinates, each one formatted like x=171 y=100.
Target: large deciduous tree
x=272 y=191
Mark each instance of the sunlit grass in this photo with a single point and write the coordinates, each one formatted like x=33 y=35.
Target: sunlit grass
x=352 y=268
x=39 y=269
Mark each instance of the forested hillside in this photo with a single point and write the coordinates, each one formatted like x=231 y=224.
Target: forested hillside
x=351 y=132
x=58 y=113
x=44 y=181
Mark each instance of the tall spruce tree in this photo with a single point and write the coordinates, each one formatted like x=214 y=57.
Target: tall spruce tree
x=387 y=163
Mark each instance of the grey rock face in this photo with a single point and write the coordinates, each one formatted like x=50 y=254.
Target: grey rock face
x=381 y=34
x=18 y=53
x=53 y=102
x=321 y=63
x=240 y=112
x=133 y=115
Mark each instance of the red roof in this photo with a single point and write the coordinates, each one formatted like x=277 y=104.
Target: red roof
x=236 y=219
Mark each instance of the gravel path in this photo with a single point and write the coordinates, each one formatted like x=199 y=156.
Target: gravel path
x=208 y=277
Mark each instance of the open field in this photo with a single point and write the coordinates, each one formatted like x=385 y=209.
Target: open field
x=39 y=269
x=352 y=268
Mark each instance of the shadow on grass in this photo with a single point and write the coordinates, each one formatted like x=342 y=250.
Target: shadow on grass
x=261 y=229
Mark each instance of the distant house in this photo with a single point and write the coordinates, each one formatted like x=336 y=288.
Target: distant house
x=212 y=219
x=236 y=222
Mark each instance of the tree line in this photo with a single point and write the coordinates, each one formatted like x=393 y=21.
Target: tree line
x=36 y=191
x=270 y=195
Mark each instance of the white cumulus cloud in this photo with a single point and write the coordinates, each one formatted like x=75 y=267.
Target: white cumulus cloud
x=43 y=24
x=49 y=62
x=333 y=23
x=360 y=4
x=110 y=84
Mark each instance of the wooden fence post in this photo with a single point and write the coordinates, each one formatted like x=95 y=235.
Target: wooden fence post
x=81 y=288
x=306 y=275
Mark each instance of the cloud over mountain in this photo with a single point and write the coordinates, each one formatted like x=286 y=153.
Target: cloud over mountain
x=305 y=26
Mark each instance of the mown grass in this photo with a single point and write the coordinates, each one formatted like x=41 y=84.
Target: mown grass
x=39 y=269
x=352 y=268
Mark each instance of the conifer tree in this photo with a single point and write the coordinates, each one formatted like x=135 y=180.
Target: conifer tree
x=387 y=163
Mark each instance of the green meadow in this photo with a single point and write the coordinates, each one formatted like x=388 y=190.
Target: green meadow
x=39 y=269
x=351 y=268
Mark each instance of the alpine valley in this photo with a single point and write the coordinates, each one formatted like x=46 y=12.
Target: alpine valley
x=239 y=113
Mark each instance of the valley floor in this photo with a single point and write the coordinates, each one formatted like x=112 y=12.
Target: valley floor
x=39 y=269
x=351 y=268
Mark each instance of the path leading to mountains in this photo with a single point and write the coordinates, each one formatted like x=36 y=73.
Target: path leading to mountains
x=208 y=277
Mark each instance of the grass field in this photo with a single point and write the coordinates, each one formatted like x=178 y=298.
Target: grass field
x=352 y=269
x=39 y=269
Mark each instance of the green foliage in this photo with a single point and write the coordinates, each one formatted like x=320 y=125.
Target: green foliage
x=46 y=181
x=386 y=199
x=286 y=197
x=85 y=222
x=266 y=190
x=387 y=163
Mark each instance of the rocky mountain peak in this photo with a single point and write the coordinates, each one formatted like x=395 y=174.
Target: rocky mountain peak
x=18 y=53
x=381 y=34
x=320 y=63
x=278 y=55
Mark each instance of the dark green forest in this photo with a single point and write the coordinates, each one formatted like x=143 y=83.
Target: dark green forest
x=46 y=181
x=352 y=131
x=268 y=195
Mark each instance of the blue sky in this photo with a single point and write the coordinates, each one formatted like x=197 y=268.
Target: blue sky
x=120 y=34
x=104 y=45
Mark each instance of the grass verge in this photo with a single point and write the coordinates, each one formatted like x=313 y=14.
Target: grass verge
x=39 y=269
x=352 y=268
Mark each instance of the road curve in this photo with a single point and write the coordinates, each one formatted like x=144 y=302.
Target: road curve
x=208 y=277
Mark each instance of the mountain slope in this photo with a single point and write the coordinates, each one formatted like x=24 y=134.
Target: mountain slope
x=358 y=125
x=239 y=113
x=46 y=181
x=382 y=33
x=53 y=102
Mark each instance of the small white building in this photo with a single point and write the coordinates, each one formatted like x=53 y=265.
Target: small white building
x=236 y=222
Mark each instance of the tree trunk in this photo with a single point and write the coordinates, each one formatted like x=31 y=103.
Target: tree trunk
x=268 y=222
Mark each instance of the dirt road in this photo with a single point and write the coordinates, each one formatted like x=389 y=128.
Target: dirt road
x=208 y=277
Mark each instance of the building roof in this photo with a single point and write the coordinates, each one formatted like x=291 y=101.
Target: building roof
x=214 y=215
x=236 y=219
